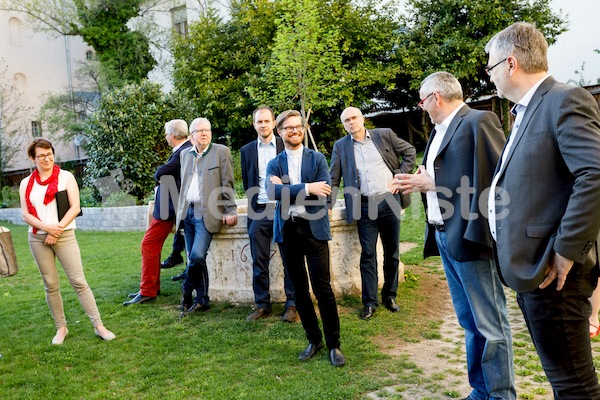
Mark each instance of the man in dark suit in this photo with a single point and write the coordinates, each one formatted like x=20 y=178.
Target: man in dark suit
x=457 y=169
x=206 y=202
x=255 y=157
x=367 y=161
x=163 y=217
x=299 y=180
x=543 y=208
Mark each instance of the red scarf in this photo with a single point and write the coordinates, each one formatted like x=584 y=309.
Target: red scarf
x=51 y=182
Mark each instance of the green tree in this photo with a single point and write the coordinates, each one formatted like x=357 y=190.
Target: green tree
x=219 y=59
x=305 y=68
x=450 y=35
x=126 y=132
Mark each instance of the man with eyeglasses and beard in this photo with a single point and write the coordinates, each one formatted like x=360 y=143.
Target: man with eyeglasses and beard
x=299 y=180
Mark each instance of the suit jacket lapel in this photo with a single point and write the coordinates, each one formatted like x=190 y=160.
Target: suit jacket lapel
x=278 y=144
x=535 y=102
x=458 y=118
x=431 y=136
x=283 y=165
x=306 y=166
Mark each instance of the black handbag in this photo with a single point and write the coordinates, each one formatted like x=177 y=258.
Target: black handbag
x=8 y=257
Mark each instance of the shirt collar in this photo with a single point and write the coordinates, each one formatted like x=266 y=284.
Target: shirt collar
x=529 y=95
x=446 y=122
x=272 y=143
x=295 y=153
x=206 y=150
x=179 y=145
x=367 y=135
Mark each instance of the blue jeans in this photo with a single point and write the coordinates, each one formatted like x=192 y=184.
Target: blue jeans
x=386 y=224
x=197 y=241
x=480 y=305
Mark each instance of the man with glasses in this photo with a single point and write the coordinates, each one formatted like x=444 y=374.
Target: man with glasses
x=163 y=217
x=543 y=208
x=206 y=202
x=299 y=180
x=367 y=160
x=457 y=170
x=255 y=157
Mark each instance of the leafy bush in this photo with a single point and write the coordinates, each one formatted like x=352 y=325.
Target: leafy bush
x=89 y=197
x=10 y=197
x=126 y=133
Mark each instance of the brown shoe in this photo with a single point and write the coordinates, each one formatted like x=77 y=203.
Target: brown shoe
x=290 y=315
x=259 y=313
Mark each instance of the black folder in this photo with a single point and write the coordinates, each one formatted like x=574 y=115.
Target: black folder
x=62 y=204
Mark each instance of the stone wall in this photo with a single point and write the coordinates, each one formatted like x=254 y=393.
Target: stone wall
x=115 y=219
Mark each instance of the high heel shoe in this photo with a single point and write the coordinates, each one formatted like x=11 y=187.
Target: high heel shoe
x=107 y=337
x=58 y=338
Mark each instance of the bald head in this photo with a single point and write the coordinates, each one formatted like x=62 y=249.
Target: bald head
x=354 y=122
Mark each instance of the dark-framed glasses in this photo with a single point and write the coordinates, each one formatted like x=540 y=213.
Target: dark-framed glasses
x=42 y=157
x=488 y=69
x=290 y=129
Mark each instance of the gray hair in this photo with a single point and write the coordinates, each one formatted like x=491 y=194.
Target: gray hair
x=443 y=83
x=197 y=121
x=524 y=42
x=178 y=128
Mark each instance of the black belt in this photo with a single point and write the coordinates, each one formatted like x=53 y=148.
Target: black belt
x=439 y=228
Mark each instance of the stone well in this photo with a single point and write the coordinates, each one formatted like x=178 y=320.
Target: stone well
x=230 y=261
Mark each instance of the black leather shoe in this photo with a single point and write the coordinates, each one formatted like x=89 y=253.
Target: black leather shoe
x=310 y=351
x=367 y=312
x=259 y=313
x=197 y=308
x=171 y=261
x=391 y=305
x=337 y=358
x=186 y=301
x=139 y=299
x=179 y=277
x=132 y=295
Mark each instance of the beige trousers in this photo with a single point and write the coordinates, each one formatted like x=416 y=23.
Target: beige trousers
x=67 y=251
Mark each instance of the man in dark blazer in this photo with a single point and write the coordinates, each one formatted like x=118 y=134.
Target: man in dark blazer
x=459 y=162
x=206 y=202
x=255 y=157
x=163 y=217
x=299 y=180
x=367 y=160
x=544 y=212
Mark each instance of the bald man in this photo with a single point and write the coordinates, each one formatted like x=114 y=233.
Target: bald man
x=367 y=161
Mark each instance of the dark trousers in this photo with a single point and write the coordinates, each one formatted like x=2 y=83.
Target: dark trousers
x=178 y=243
x=558 y=324
x=384 y=222
x=260 y=232
x=299 y=245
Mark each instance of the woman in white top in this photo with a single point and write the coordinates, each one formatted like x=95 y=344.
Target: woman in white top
x=50 y=238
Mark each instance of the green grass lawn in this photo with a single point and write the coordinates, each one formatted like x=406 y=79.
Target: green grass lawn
x=157 y=355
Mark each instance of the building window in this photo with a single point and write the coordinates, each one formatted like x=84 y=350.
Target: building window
x=179 y=20
x=89 y=55
x=20 y=83
x=15 y=32
x=36 y=128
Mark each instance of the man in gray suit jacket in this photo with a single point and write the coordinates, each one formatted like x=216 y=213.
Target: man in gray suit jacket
x=206 y=202
x=457 y=170
x=544 y=208
x=367 y=161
